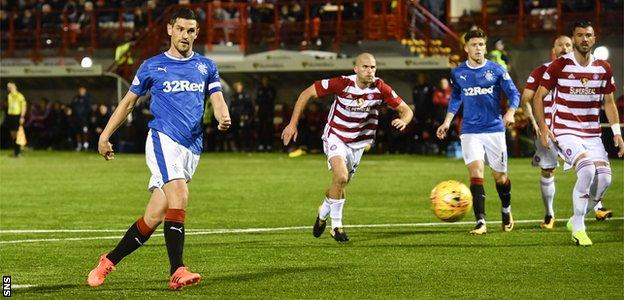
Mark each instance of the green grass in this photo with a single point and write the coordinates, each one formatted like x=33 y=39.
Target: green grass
x=63 y=190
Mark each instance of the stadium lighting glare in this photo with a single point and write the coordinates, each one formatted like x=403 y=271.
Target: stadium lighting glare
x=86 y=62
x=601 y=52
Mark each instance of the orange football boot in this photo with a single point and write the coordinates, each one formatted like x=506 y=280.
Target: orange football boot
x=98 y=274
x=183 y=277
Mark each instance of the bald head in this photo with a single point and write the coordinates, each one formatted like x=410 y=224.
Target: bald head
x=364 y=57
x=562 y=46
x=365 y=67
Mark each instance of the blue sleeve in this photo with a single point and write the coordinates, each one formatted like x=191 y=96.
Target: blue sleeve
x=510 y=89
x=142 y=81
x=214 y=81
x=456 y=100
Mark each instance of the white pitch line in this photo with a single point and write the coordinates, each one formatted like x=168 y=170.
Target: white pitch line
x=240 y=230
x=60 y=230
x=247 y=230
x=22 y=286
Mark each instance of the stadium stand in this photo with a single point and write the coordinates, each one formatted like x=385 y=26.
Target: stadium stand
x=45 y=42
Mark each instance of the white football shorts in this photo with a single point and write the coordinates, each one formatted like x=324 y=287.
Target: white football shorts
x=543 y=157
x=571 y=146
x=333 y=146
x=168 y=160
x=488 y=147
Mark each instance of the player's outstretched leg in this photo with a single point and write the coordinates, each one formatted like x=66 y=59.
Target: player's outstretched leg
x=504 y=193
x=134 y=238
x=321 y=218
x=478 y=198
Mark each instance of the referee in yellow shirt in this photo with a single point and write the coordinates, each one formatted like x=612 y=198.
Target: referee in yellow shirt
x=15 y=114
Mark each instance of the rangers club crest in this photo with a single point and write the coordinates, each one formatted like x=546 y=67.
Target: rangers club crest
x=203 y=69
x=489 y=75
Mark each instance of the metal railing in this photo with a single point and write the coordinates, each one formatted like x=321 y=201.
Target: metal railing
x=542 y=21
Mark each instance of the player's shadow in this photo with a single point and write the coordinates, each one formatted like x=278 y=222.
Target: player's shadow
x=378 y=235
x=46 y=289
x=456 y=245
x=271 y=272
x=363 y=238
x=231 y=278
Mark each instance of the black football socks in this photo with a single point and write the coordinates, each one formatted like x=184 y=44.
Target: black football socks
x=134 y=238
x=174 y=236
x=478 y=197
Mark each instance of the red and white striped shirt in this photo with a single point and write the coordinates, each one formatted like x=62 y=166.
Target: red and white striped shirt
x=354 y=115
x=533 y=83
x=578 y=96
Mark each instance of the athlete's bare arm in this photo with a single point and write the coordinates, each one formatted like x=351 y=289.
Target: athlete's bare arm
x=527 y=98
x=538 y=105
x=441 y=132
x=612 y=115
x=405 y=116
x=221 y=112
x=124 y=108
x=290 y=131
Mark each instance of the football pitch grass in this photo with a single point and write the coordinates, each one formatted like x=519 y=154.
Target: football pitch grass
x=249 y=232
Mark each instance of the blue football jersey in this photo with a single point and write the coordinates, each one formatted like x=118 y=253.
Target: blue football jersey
x=478 y=89
x=178 y=88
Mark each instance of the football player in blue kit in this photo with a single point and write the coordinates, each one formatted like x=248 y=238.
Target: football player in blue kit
x=477 y=84
x=179 y=80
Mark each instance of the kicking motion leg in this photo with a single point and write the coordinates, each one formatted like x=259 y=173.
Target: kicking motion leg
x=135 y=237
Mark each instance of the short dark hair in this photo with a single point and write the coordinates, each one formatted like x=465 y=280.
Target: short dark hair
x=476 y=33
x=581 y=24
x=182 y=13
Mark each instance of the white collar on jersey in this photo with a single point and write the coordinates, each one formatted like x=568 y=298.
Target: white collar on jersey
x=477 y=67
x=573 y=58
x=176 y=58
